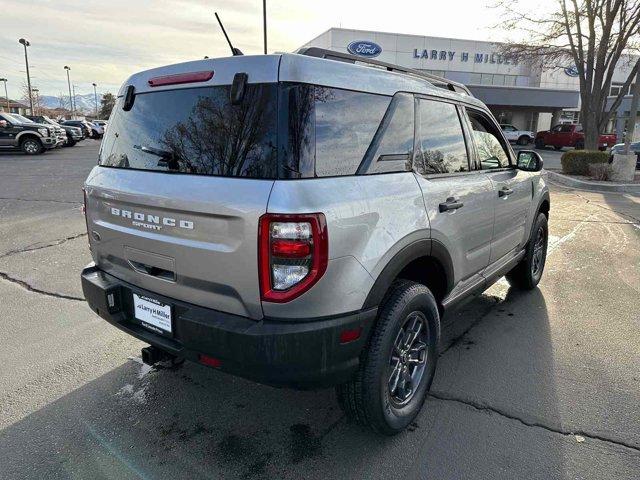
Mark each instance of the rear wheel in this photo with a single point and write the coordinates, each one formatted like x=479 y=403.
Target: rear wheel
x=527 y=274
x=579 y=145
x=31 y=146
x=397 y=367
x=70 y=142
x=523 y=140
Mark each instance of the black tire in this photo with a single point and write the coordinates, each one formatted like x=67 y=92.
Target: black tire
x=579 y=145
x=539 y=143
x=524 y=140
x=557 y=148
x=527 y=274
x=370 y=398
x=31 y=146
x=70 y=142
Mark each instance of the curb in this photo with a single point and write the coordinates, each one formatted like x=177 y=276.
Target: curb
x=568 y=181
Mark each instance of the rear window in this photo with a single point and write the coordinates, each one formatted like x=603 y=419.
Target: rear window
x=196 y=131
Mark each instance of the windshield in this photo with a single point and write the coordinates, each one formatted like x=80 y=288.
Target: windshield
x=21 y=119
x=197 y=131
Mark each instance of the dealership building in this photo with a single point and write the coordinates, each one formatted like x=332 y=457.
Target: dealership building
x=517 y=91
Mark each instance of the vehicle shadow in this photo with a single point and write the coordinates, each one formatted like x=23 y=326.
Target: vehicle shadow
x=196 y=422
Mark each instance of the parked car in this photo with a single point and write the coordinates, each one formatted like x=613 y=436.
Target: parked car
x=570 y=136
x=514 y=134
x=273 y=221
x=96 y=130
x=82 y=124
x=634 y=148
x=102 y=123
x=59 y=132
x=71 y=135
x=32 y=138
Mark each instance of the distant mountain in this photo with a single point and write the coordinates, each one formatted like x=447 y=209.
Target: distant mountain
x=84 y=103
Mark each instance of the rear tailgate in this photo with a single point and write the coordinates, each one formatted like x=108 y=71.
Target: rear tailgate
x=185 y=237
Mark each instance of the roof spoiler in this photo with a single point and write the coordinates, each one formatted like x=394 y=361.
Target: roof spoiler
x=390 y=67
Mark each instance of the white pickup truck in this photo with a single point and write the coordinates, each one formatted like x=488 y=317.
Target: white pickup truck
x=513 y=134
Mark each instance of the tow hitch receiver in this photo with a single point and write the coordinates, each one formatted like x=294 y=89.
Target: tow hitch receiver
x=152 y=355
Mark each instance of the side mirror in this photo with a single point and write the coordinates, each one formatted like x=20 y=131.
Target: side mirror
x=3 y=124
x=529 y=161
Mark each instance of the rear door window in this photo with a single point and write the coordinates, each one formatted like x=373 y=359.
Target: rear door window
x=441 y=143
x=196 y=131
x=392 y=147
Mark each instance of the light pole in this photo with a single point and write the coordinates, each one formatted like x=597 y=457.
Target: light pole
x=75 y=105
x=6 y=95
x=26 y=44
x=95 y=98
x=68 y=69
x=37 y=92
x=264 y=24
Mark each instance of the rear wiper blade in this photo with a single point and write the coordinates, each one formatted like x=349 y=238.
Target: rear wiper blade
x=153 y=151
x=166 y=157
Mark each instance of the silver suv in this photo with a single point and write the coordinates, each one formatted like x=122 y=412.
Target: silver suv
x=302 y=220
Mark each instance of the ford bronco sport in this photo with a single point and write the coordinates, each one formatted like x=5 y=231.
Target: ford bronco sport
x=305 y=222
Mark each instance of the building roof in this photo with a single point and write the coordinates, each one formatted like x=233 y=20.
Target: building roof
x=12 y=103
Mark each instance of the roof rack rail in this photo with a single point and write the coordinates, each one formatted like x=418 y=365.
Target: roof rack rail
x=390 y=67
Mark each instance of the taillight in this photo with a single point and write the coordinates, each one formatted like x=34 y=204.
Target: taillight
x=293 y=254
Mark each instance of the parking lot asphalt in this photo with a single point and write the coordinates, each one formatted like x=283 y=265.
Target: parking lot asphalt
x=538 y=385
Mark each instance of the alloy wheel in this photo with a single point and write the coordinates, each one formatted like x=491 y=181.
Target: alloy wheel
x=31 y=147
x=539 y=251
x=408 y=359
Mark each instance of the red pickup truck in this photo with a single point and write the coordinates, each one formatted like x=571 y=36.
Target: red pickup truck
x=570 y=136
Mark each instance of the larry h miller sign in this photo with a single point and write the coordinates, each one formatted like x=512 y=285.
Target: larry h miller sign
x=464 y=56
x=365 y=48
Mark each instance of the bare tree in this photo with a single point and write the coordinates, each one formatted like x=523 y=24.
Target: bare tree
x=595 y=35
x=37 y=101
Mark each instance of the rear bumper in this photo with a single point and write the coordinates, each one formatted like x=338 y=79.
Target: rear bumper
x=302 y=353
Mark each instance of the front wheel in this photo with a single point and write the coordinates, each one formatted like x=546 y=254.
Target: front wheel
x=398 y=365
x=523 y=140
x=527 y=274
x=31 y=146
x=579 y=146
x=539 y=143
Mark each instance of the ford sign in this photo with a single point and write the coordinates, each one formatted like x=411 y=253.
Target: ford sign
x=572 y=71
x=364 y=48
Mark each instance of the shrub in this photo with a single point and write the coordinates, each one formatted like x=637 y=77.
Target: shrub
x=600 y=171
x=576 y=162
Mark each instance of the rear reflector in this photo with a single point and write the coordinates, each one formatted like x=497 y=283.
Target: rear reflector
x=190 y=77
x=210 y=361
x=350 y=335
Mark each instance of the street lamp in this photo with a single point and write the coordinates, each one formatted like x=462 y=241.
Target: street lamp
x=75 y=105
x=36 y=91
x=6 y=96
x=68 y=69
x=26 y=44
x=95 y=98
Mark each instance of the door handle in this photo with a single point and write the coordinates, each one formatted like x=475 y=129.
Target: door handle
x=450 y=204
x=505 y=192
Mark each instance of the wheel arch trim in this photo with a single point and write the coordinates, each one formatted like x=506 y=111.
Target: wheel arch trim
x=427 y=247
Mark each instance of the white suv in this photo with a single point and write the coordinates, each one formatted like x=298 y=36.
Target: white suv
x=513 y=134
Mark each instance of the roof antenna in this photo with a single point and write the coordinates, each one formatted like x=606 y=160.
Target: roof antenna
x=234 y=51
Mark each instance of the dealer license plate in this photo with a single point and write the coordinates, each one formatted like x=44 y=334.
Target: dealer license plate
x=152 y=313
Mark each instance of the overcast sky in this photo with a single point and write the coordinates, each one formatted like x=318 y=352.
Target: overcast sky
x=105 y=41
